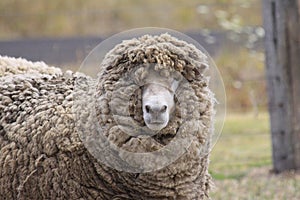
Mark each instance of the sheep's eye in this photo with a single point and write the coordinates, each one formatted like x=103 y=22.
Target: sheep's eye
x=147 y=108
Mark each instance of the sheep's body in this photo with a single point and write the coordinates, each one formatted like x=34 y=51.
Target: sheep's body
x=43 y=157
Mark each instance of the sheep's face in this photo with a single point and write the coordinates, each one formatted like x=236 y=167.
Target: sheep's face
x=158 y=104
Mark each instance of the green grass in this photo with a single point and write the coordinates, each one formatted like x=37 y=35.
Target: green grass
x=241 y=163
x=243 y=144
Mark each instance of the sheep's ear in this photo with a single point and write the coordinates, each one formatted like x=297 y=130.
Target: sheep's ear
x=174 y=85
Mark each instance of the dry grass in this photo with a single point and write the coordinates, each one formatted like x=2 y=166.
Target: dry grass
x=241 y=163
x=259 y=184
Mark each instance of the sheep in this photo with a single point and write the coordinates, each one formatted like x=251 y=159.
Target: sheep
x=50 y=123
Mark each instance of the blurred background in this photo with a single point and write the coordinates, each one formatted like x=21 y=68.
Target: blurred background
x=62 y=33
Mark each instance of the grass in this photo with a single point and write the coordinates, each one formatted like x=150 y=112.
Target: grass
x=241 y=163
x=259 y=184
x=244 y=144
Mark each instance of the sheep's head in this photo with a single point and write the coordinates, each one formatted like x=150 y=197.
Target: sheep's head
x=149 y=103
x=158 y=104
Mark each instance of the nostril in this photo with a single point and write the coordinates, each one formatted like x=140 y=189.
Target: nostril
x=147 y=108
x=164 y=108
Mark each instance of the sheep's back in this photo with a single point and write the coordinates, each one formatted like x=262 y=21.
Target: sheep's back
x=41 y=155
x=13 y=66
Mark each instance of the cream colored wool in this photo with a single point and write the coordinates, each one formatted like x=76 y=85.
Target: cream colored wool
x=42 y=155
x=13 y=66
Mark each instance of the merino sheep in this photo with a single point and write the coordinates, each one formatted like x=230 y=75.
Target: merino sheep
x=44 y=112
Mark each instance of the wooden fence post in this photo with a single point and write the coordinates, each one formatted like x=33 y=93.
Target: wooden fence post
x=282 y=44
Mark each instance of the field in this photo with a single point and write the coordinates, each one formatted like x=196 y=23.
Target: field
x=241 y=163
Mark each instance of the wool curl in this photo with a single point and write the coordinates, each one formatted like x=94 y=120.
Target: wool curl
x=42 y=152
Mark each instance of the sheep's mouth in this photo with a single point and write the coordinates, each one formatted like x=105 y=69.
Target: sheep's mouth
x=157 y=123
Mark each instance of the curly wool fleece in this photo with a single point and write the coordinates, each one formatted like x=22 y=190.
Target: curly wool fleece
x=42 y=154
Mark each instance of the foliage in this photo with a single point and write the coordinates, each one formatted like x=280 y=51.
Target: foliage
x=242 y=75
x=242 y=71
x=25 y=18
